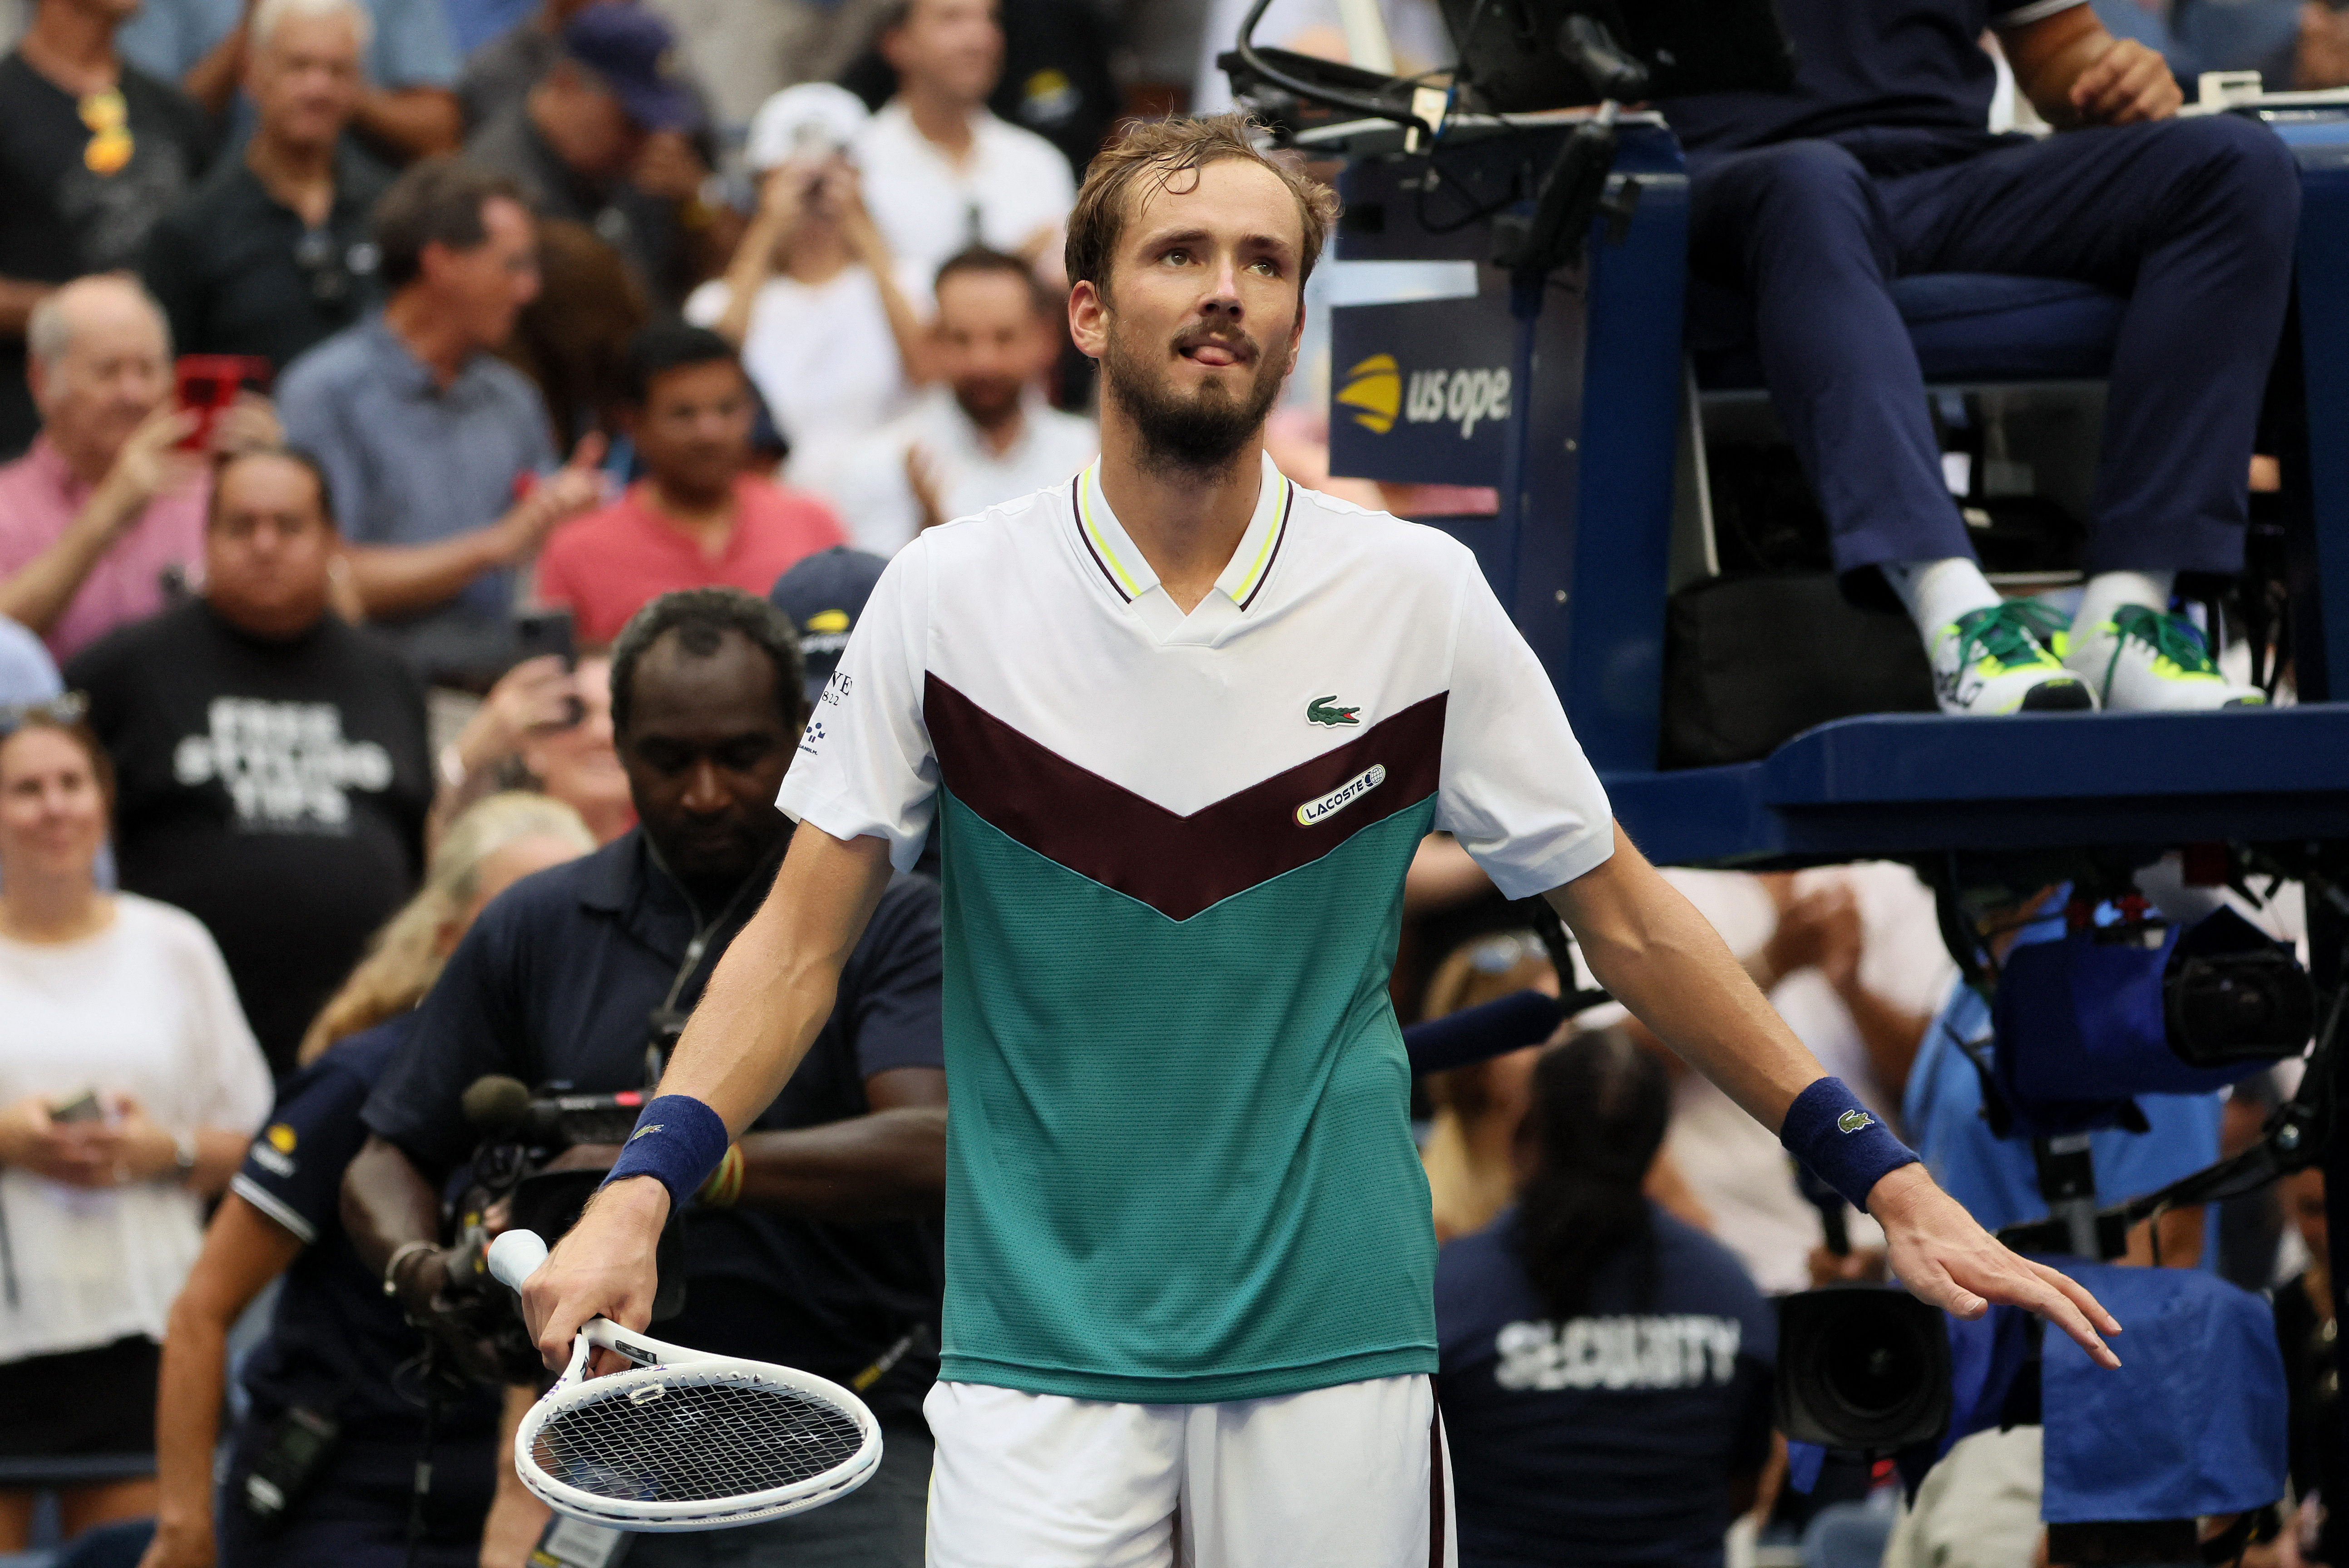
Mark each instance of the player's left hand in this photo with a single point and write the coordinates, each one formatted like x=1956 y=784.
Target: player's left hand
x=2128 y=84
x=1944 y=1258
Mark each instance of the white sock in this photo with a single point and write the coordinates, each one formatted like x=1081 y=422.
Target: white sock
x=1938 y=591
x=2107 y=591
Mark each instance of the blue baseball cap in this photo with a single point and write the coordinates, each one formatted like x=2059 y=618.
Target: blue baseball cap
x=823 y=595
x=634 y=52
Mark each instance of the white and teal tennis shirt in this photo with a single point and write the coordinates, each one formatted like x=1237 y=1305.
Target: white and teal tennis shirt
x=1179 y=1166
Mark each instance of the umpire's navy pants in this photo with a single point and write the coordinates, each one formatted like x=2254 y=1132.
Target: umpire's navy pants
x=1792 y=247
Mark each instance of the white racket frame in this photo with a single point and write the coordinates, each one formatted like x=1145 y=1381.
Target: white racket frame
x=659 y=1363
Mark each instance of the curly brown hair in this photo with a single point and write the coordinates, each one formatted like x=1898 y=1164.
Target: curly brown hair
x=1162 y=151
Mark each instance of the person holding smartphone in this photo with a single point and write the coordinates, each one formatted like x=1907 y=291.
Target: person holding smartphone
x=129 y=1085
x=111 y=496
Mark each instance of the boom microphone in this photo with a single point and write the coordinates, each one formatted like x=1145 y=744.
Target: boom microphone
x=495 y=1103
x=499 y=1107
x=1520 y=1019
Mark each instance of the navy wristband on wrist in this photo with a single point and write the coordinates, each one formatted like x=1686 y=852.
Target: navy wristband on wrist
x=1845 y=1146
x=678 y=1141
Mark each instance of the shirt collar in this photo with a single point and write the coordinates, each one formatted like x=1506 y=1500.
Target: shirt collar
x=409 y=376
x=1124 y=564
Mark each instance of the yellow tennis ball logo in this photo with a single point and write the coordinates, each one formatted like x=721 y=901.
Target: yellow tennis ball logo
x=832 y=621
x=1373 y=390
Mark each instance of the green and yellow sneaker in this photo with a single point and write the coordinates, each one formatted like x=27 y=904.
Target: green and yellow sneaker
x=2144 y=661
x=1997 y=660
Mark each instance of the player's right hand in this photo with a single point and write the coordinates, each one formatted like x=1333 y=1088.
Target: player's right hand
x=603 y=1268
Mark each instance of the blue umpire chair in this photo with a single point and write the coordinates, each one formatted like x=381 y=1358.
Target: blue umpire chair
x=1574 y=396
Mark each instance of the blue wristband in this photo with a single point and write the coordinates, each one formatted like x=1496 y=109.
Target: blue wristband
x=678 y=1141
x=1845 y=1146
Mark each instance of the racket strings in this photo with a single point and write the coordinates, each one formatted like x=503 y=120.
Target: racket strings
x=694 y=1442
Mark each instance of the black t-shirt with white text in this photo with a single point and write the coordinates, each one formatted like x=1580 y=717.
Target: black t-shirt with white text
x=1614 y=1437
x=275 y=790
x=74 y=199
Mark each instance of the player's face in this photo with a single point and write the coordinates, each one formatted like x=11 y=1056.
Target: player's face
x=1200 y=321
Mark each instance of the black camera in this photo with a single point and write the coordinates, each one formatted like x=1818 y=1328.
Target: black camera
x=2230 y=993
x=520 y=1132
x=1861 y=1367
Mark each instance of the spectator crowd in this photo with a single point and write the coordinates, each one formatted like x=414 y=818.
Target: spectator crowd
x=444 y=448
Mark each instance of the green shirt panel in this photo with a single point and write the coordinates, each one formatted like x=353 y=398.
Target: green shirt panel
x=1179 y=1163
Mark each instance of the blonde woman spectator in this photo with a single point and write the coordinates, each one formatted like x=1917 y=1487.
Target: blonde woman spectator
x=335 y=1337
x=128 y=1084
x=1471 y=1173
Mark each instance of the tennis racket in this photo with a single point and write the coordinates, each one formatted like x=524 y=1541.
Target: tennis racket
x=682 y=1440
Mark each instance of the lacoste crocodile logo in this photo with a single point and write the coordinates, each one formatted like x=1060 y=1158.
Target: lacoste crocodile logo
x=1325 y=712
x=643 y=1132
x=1853 y=1121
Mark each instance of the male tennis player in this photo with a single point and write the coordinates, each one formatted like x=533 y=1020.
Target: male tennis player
x=1181 y=723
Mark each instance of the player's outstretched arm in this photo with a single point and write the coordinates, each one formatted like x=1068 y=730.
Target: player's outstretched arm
x=767 y=999
x=1649 y=947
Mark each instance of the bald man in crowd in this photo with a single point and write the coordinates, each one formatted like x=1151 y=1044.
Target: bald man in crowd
x=107 y=509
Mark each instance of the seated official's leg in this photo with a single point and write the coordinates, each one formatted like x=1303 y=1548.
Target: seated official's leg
x=1333 y=1477
x=1037 y=1480
x=878 y=1525
x=1793 y=239
x=2194 y=220
x=1791 y=244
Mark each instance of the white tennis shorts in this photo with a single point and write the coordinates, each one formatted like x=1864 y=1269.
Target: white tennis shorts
x=1350 y=1476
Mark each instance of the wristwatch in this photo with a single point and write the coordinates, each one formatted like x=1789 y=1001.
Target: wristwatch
x=400 y=1254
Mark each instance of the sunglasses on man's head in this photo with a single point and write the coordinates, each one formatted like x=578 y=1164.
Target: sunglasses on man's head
x=68 y=707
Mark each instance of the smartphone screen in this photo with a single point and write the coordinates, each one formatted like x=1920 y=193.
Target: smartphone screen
x=207 y=383
x=541 y=632
x=82 y=1107
x=538 y=633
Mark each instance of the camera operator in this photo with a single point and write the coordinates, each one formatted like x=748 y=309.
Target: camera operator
x=831 y=1258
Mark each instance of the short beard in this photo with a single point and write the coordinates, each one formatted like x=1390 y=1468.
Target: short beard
x=1197 y=435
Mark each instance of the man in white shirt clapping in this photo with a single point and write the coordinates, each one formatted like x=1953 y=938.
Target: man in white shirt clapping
x=986 y=435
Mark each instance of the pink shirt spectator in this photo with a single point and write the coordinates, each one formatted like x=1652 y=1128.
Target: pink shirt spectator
x=607 y=564
x=39 y=496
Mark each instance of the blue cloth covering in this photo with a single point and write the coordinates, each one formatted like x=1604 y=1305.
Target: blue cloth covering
x=2194 y=1421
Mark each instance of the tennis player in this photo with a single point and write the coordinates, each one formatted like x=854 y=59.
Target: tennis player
x=1179 y=723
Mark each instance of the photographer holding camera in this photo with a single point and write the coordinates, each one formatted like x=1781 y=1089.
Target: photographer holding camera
x=816 y=1243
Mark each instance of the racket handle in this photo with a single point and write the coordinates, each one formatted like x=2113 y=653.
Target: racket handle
x=515 y=1256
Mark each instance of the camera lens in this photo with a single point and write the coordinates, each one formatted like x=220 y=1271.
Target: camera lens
x=1862 y=1370
x=1874 y=1375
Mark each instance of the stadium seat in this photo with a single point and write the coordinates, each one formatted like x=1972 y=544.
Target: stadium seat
x=1979 y=328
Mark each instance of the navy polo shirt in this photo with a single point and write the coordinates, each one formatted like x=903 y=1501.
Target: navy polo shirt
x=334 y=1338
x=556 y=982
x=1866 y=65
x=1611 y=1437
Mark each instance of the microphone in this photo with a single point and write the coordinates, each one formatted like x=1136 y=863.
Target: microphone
x=1473 y=1033
x=495 y=1103
x=501 y=1108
